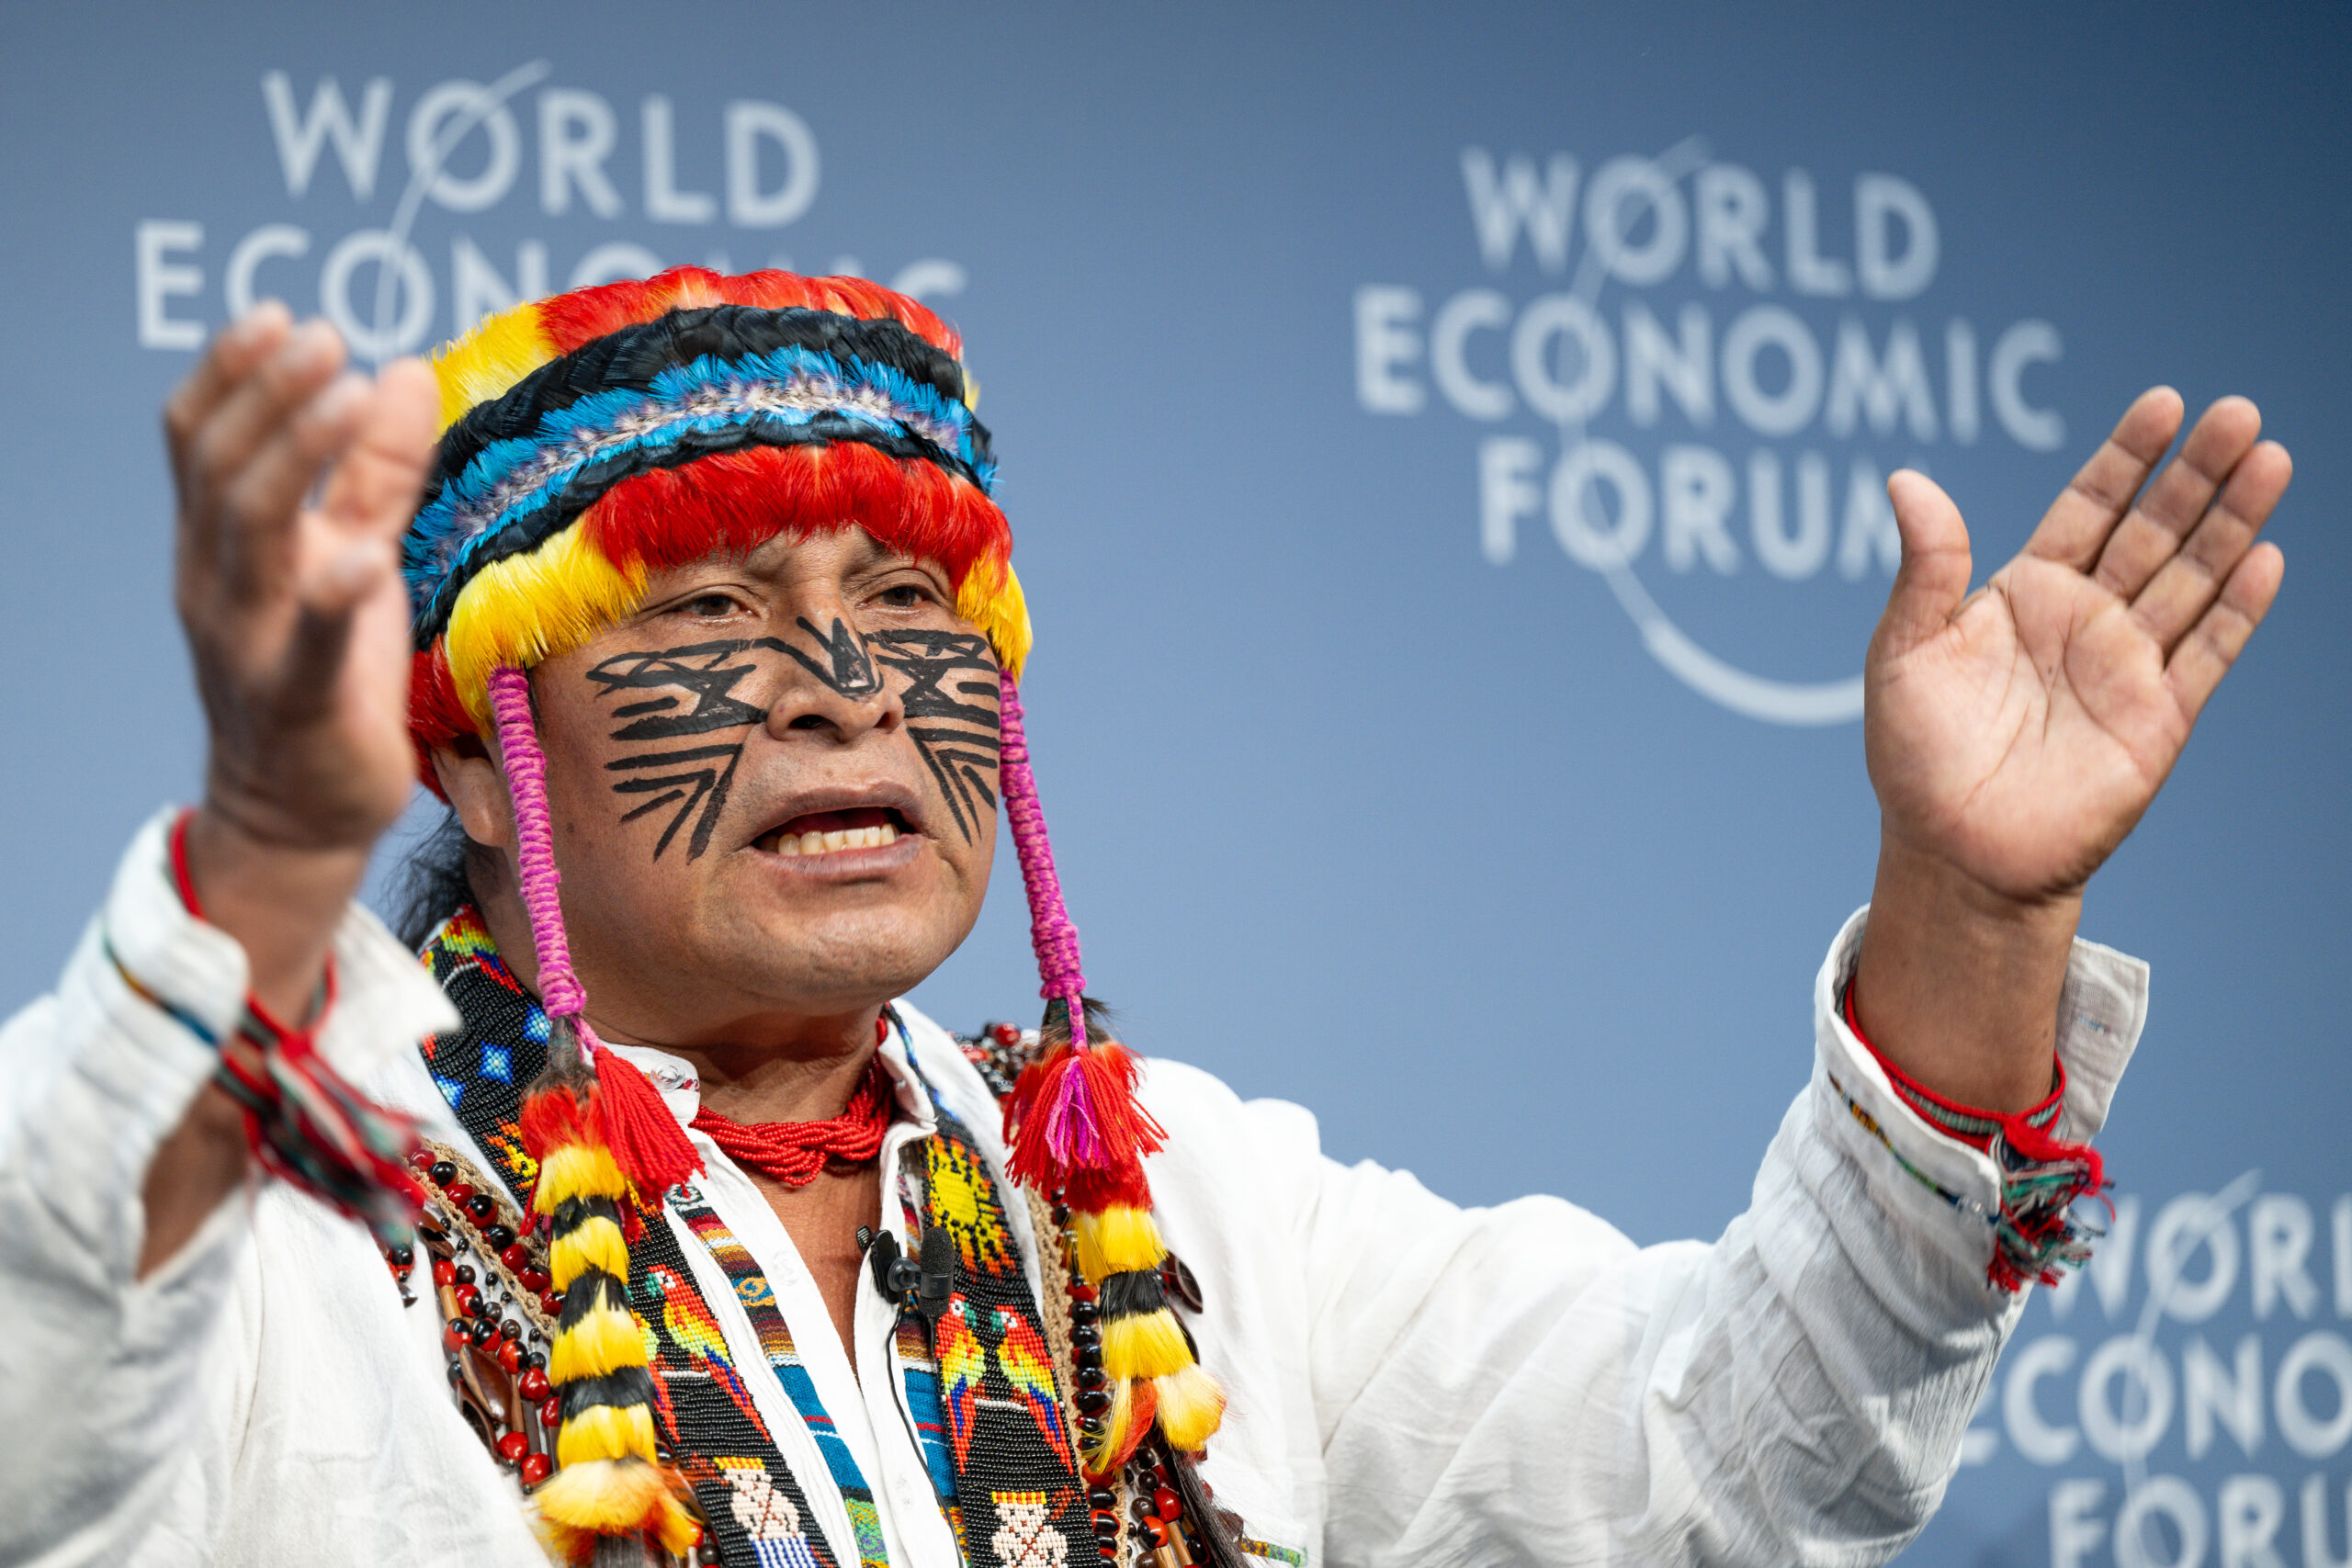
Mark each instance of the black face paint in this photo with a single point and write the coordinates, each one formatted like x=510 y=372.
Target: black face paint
x=847 y=669
x=958 y=739
x=694 y=775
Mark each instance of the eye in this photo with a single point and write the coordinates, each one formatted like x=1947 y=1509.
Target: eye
x=710 y=607
x=905 y=596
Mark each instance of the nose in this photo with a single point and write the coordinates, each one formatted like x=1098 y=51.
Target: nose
x=833 y=688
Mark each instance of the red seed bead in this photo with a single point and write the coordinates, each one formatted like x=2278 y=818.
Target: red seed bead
x=535 y=1384
x=553 y=1303
x=510 y=1355
x=444 y=1271
x=421 y=1160
x=515 y=1257
x=1166 y=1504
x=552 y=1414
x=454 y=1337
x=512 y=1447
x=467 y=1296
x=459 y=1191
x=534 y=1280
x=537 y=1468
x=1156 y=1532
x=1079 y=1293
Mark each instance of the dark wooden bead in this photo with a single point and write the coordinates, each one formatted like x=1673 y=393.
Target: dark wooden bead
x=1091 y=1377
x=465 y=1273
x=482 y=1205
x=1085 y=1312
x=1091 y=1424
x=1104 y=1523
x=1093 y=1401
x=402 y=1254
x=1102 y=1497
x=500 y=1236
x=1086 y=1336
x=510 y=1329
x=442 y=1172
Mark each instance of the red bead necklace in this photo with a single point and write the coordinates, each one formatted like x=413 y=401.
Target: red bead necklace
x=794 y=1153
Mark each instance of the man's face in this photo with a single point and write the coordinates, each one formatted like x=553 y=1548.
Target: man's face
x=774 y=790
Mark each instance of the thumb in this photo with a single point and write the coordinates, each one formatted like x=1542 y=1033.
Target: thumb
x=1933 y=577
x=376 y=487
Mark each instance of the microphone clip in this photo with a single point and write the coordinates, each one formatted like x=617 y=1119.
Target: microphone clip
x=919 y=1286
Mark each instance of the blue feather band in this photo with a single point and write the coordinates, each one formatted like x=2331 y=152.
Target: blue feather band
x=515 y=493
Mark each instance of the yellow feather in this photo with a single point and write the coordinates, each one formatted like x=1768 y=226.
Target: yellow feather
x=1102 y=1455
x=1117 y=1241
x=594 y=1243
x=531 y=607
x=1148 y=1345
x=576 y=1170
x=990 y=598
x=1191 y=1406
x=603 y=1497
x=597 y=1345
x=488 y=360
x=605 y=1431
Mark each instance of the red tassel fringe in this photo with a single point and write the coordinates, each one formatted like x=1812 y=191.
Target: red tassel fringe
x=1105 y=1157
x=653 y=1151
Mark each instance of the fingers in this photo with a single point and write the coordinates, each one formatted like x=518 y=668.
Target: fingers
x=373 y=491
x=262 y=501
x=1933 y=579
x=2193 y=575
x=249 y=340
x=257 y=407
x=2077 y=524
x=2153 y=529
x=2206 y=654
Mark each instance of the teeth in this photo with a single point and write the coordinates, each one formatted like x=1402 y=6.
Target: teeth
x=840 y=839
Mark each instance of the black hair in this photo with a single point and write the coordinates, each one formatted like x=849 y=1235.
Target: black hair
x=433 y=882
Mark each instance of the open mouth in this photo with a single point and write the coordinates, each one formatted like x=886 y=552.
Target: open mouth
x=832 y=832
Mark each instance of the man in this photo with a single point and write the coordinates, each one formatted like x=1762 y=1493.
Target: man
x=707 y=609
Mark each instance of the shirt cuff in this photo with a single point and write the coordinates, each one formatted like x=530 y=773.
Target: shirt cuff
x=2102 y=1009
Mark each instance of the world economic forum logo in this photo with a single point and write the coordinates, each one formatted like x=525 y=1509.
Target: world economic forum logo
x=1728 y=366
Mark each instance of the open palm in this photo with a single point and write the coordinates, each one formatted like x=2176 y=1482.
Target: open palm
x=2016 y=735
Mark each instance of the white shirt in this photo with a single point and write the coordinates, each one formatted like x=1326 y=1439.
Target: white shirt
x=1411 y=1382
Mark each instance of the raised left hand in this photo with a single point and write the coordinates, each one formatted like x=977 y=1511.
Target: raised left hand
x=2016 y=734
x=2019 y=733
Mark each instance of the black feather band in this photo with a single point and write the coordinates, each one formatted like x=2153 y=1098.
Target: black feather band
x=592 y=1289
x=630 y=359
x=1132 y=1295
x=623 y=1387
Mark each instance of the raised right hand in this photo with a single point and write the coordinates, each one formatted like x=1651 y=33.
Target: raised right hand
x=295 y=481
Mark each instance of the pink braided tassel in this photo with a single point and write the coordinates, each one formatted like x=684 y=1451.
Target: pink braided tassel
x=526 y=782
x=1051 y=930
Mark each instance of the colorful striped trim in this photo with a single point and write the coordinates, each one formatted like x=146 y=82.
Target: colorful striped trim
x=515 y=494
x=1272 y=1553
x=1965 y=1122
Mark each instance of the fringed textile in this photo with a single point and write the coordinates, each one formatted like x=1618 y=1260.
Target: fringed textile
x=304 y=1123
x=2037 y=1235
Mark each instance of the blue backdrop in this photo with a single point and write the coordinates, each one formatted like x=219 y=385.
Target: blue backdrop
x=1442 y=444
